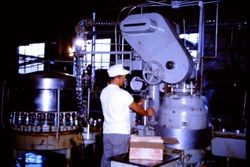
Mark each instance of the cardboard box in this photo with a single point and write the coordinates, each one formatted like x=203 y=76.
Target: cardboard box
x=146 y=147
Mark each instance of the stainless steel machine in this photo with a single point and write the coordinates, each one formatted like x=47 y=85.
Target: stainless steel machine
x=169 y=77
x=43 y=113
x=181 y=113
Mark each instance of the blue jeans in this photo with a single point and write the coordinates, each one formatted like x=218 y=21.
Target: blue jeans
x=113 y=144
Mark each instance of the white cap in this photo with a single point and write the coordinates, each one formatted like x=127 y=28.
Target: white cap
x=116 y=70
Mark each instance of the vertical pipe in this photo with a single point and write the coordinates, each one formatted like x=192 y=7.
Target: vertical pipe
x=154 y=96
x=145 y=106
x=201 y=35
x=216 y=30
x=89 y=91
x=93 y=52
x=200 y=49
x=58 y=114
x=243 y=117
x=116 y=49
x=123 y=39
x=92 y=62
x=184 y=31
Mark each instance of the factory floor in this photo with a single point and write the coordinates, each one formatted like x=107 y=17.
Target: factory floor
x=82 y=156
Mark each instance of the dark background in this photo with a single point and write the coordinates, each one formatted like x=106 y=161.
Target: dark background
x=225 y=78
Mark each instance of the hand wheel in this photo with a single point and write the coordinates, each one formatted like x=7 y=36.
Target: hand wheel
x=153 y=72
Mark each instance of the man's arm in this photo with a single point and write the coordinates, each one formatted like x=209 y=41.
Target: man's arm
x=137 y=107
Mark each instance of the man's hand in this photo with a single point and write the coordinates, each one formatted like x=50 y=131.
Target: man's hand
x=140 y=102
x=150 y=112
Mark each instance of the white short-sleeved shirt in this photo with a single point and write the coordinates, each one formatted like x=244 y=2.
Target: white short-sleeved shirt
x=115 y=103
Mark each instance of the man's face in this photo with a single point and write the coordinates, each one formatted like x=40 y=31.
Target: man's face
x=122 y=80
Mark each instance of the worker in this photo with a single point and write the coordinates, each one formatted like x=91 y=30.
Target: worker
x=117 y=103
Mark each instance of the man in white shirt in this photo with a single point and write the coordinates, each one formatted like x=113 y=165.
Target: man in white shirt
x=116 y=106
